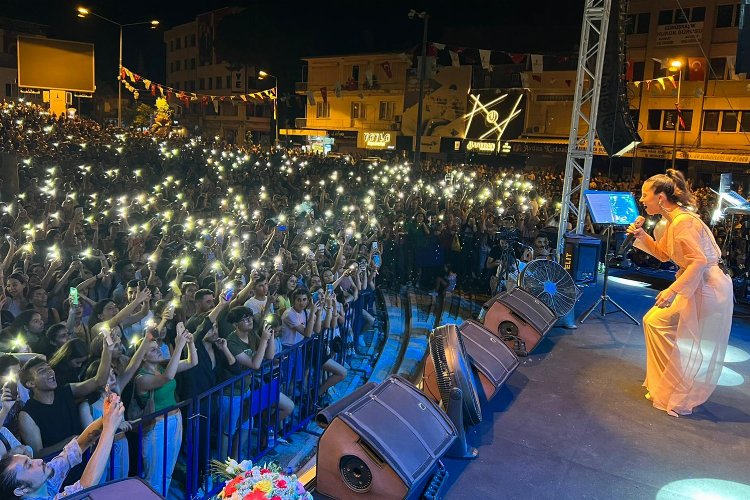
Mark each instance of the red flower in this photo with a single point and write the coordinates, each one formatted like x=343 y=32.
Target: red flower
x=281 y=484
x=231 y=486
x=265 y=471
x=255 y=495
x=276 y=497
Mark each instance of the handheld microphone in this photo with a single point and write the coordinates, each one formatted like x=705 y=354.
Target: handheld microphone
x=630 y=238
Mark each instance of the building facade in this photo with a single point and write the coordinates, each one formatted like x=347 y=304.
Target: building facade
x=193 y=67
x=9 y=31
x=714 y=133
x=353 y=103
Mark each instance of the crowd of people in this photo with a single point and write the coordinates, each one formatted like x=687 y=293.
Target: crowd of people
x=170 y=265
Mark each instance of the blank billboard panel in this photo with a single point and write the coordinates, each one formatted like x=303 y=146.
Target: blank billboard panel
x=55 y=64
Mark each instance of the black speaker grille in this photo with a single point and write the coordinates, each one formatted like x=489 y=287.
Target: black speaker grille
x=355 y=473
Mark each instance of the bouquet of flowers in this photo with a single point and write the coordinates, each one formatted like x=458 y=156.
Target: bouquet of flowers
x=245 y=481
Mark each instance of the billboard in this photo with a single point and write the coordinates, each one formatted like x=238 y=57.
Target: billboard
x=445 y=105
x=44 y=63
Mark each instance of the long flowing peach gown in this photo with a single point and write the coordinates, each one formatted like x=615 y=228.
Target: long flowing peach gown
x=686 y=342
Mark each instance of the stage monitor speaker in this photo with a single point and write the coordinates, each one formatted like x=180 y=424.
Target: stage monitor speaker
x=121 y=489
x=581 y=257
x=493 y=359
x=385 y=445
x=519 y=319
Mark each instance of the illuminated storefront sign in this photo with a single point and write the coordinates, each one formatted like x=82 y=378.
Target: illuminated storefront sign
x=377 y=140
x=481 y=147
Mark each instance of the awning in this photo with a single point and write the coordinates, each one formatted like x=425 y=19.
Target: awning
x=558 y=145
x=303 y=131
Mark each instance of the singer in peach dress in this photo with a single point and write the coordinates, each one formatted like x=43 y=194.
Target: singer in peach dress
x=687 y=330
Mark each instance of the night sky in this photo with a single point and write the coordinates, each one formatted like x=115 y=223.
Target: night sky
x=309 y=29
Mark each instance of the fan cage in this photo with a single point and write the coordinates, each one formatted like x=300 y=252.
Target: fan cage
x=549 y=282
x=451 y=372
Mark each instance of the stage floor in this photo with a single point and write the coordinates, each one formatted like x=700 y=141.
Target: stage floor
x=572 y=421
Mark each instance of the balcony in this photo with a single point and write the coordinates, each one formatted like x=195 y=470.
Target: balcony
x=300 y=123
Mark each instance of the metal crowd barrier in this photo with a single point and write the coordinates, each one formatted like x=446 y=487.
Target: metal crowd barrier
x=237 y=418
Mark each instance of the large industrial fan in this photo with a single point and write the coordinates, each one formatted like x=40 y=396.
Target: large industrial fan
x=448 y=379
x=550 y=283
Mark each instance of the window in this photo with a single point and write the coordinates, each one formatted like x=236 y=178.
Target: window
x=639 y=69
x=201 y=84
x=729 y=121
x=642 y=21
x=171 y=45
x=192 y=63
x=185 y=64
x=9 y=90
x=355 y=73
x=229 y=81
x=680 y=16
x=670 y=118
x=186 y=40
x=192 y=85
x=710 y=121
x=717 y=68
x=171 y=66
x=218 y=82
x=192 y=40
x=745 y=121
x=322 y=110
x=177 y=44
x=654 y=119
x=358 y=110
x=386 y=111
x=665 y=119
x=177 y=65
x=665 y=17
x=186 y=86
x=210 y=83
x=725 y=16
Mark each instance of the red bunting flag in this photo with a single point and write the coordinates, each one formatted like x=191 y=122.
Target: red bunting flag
x=386 y=65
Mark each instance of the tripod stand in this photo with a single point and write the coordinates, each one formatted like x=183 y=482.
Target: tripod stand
x=609 y=231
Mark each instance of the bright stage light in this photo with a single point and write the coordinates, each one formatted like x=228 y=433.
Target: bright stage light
x=627 y=282
x=704 y=489
x=736 y=355
x=730 y=378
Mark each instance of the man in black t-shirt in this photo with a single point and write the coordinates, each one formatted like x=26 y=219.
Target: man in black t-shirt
x=50 y=418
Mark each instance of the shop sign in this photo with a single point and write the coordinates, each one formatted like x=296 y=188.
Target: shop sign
x=482 y=147
x=670 y=35
x=377 y=140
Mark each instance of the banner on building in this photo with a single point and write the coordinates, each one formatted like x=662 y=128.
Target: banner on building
x=444 y=107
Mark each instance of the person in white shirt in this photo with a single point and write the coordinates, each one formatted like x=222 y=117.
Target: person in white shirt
x=23 y=477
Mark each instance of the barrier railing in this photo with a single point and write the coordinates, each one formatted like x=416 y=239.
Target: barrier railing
x=238 y=418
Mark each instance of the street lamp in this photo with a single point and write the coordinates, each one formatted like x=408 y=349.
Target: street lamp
x=262 y=75
x=676 y=65
x=425 y=17
x=83 y=12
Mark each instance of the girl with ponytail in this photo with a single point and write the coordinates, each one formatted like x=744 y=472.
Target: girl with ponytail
x=687 y=330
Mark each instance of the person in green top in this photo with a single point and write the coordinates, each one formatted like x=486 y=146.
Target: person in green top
x=157 y=382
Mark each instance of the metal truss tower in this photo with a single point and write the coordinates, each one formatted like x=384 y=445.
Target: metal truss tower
x=585 y=108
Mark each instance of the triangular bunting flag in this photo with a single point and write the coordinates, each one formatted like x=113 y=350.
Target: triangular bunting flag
x=484 y=55
x=454 y=58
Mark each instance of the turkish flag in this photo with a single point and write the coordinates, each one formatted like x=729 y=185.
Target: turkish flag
x=697 y=67
x=387 y=68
